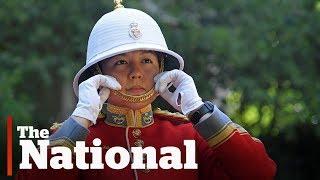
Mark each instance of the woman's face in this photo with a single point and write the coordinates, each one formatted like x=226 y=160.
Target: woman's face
x=135 y=72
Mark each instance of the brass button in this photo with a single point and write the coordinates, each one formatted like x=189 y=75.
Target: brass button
x=136 y=133
x=139 y=143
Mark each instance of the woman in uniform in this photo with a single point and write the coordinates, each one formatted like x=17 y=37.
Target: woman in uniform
x=128 y=65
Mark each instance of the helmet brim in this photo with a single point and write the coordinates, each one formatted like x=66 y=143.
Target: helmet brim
x=172 y=59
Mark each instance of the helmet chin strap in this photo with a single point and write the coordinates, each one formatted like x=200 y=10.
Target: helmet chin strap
x=135 y=99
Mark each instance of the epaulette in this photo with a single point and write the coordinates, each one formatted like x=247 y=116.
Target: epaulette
x=55 y=126
x=170 y=115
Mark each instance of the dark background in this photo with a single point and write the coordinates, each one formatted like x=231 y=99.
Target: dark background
x=258 y=60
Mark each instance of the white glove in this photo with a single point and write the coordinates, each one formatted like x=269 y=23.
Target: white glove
x=90 y=102
x=185 y=98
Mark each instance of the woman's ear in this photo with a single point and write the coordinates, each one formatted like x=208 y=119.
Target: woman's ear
x=161 y=65
x=160 y=57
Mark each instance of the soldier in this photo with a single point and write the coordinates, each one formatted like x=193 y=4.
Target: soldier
x=128 y=65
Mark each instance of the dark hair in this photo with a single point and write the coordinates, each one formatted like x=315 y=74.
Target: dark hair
x=91 y=71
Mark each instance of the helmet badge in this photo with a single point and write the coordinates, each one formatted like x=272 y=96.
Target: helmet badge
x=135 y=31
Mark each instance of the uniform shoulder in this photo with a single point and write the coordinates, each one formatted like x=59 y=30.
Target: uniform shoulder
x=169 y=116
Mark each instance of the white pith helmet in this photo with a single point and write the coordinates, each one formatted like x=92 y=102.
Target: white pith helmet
x=124 y=30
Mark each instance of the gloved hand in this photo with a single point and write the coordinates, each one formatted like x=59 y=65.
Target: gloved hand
x=90 y=102
x=185 y=98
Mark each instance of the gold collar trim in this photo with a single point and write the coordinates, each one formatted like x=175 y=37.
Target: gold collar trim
x=125 y=117
x=134 y=99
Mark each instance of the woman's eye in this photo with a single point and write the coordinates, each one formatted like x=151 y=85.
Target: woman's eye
x=121 y=62
x=147 y=61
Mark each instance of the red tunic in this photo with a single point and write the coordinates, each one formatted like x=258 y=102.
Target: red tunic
x=230 y=154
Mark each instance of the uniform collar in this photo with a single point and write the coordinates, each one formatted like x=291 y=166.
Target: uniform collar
x=125 y=117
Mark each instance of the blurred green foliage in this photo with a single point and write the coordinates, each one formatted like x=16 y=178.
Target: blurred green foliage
x=259 y=60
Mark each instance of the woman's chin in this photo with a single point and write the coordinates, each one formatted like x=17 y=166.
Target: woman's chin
x=117 y=101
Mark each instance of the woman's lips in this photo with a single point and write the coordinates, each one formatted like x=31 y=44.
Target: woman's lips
x=136 y=91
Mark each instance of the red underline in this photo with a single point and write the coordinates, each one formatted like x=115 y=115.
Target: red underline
x=9 y=145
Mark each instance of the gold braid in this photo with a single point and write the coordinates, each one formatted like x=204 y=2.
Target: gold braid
x=134 y=99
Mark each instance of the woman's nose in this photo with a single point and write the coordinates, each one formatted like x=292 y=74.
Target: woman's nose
x=135 y=72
